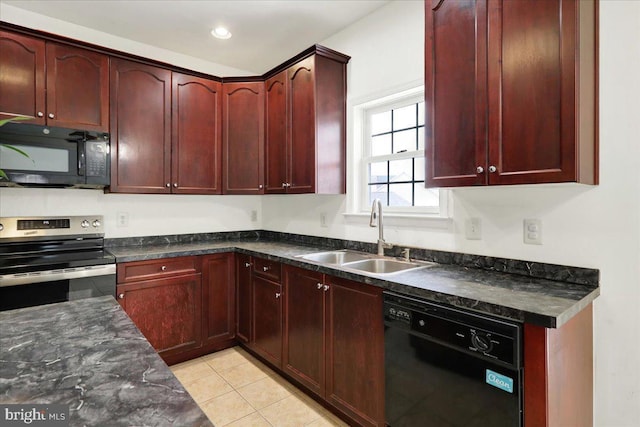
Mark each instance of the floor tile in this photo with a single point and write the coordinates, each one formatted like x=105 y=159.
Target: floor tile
x=289 y=412
x=208 y=387
x=226 y=359
x=189 y=373
x=253 y=420
x=225 y=409
x=241 y=375
x=327 y=421
x=264 y=392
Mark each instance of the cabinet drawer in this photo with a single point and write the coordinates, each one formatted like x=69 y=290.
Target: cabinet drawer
x=266 y=268
x=143 y=270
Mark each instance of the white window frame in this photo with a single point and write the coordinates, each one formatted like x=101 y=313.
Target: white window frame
x=358 y=203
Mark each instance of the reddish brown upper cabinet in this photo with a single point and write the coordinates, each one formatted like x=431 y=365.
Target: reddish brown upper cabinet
x=243 y=137
x=334 y=342
x=510 y=92
x=306 y=113
x=140 y=128
x=196 y=158
x=58 y=85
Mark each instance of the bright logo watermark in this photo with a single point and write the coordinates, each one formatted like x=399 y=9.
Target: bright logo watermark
x=53 y=415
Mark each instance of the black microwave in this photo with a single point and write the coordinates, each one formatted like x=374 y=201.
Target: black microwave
x=55 y=157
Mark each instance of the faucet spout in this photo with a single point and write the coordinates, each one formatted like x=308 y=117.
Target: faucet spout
x=376 y=221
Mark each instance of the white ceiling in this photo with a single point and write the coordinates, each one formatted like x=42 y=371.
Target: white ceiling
x=265 y=32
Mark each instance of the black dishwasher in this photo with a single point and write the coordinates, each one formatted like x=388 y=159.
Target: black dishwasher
x=446 y=367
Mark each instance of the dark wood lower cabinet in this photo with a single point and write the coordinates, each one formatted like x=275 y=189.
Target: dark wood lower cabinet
x=267 y=319
x=218 y=299
x=244 y=297
x=167 y=311
x=334 y=342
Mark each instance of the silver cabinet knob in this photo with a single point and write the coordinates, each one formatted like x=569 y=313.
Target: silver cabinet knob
x=284 y=185
x=51 y=116
x=40 y=114
x=479 y=169
x=288 y=184
x=325 y=288
x=277 y=294
x=319 y=285
x=492 y=169
x=163 y=268
x=247 y=264
x=175 y=185
x=168 y=185
x=266 y=268
x=260 y=187
x=120 y=296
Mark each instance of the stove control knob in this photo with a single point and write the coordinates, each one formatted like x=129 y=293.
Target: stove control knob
x=1 y=227
x=84 y=224
x=96 y=223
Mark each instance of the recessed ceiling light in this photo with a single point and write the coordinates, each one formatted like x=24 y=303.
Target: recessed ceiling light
x=221 y=33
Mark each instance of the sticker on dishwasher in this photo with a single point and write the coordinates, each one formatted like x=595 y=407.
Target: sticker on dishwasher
x=500 y=381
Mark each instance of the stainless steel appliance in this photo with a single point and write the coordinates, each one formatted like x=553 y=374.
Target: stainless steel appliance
x=448 y=367
x=58 y=157
x=53 y=259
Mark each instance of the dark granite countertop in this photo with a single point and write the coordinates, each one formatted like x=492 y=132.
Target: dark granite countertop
x=535 y=300
x=89 y=355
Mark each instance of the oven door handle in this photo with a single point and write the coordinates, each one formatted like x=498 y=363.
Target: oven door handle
x=55 y=275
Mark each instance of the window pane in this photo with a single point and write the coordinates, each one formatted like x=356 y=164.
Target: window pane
x=378 y=192
x=426 y=196
x=380 y=123
x=404 y=141
x=419 y=168
x=378 y=172
x=381 y=145
x=400 y=170
x=400 y=194
x=421 y=113
x=421 y=138
x=404 y=117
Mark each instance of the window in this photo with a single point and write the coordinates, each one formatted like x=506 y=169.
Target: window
x=392 y=161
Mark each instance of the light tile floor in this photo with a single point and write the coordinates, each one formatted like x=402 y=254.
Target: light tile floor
x=235 y=389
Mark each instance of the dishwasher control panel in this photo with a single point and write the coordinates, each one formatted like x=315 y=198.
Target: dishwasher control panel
x=476 y=334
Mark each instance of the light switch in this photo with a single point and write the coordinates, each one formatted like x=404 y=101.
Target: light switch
x=532 y=229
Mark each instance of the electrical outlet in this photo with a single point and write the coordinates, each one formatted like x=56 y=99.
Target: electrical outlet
x=254 y=215
x=123 y=219
x=532 y=229
x=323 y=219
x=473 y=229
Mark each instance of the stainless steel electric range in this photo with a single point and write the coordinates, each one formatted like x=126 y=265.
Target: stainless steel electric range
x=44 y=260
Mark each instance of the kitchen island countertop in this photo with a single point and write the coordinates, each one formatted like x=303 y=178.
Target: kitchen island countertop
x=89 y=355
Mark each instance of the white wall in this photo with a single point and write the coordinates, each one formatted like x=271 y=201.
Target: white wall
x=597 y=227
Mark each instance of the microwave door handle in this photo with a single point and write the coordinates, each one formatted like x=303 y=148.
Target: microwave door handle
x=81 y=159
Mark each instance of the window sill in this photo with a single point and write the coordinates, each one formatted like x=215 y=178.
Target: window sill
x=403 y=220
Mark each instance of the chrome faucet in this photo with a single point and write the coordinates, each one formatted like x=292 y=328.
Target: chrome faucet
x=376 y=221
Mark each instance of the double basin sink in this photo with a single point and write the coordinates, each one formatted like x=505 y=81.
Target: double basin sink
x=364 y=262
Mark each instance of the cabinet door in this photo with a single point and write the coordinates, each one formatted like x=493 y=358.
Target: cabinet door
x=243 y=138
x=302 y=127
x=219 y=299
x=267 y=319
x=22 y=79
x=167 y=311
x=196 y=135
x=532 y=90
x=455 y=93
x=276 y=134
x=140 y=128
x=77 y=88
x=303 y=356
x=244 y=297
x=355 y=350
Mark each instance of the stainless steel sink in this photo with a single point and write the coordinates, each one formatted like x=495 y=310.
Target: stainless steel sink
x=336 y=257
x=383 y=266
